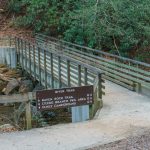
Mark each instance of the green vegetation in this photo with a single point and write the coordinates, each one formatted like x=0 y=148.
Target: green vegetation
x=119 y=26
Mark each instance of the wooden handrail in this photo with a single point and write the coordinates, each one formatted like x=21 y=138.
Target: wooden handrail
x=48 y=38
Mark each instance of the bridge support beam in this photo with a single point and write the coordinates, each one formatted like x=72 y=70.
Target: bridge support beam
x=80 y=113
x=8 y=56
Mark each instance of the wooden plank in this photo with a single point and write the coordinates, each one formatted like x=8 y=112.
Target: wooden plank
x=28 y=115
x=128 y=86
x=92 y=68
x=73 y=73
x=117 y=73
x=107 y=62
x=13 y=98
x=87 y=49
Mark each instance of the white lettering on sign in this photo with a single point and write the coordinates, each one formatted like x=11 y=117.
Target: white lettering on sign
x=59 y=91
x=68 y=97
x=58 y=98
x=70 y=90
x=47 y=99
x=62 y=98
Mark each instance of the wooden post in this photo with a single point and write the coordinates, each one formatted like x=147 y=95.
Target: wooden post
x=79 y=75
x=34 y=61
x=68 y=73
x=52 y=76
x=59 y=71
x=29 y=58
x=10 y=41
x=85 y=76
x=45 y=69
x=19 y=57
x=25 y=46
x=22 y=61
x=28 y=112
x=99 y=86
x=39 y=65
x=16 y=49
x=28 y=115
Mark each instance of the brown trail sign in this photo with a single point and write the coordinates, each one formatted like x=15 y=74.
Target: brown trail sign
x=66 y=97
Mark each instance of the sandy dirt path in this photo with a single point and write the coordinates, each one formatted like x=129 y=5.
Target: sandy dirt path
x=124 y=113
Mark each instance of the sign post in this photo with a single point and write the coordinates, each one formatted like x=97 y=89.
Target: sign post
x=67 y=97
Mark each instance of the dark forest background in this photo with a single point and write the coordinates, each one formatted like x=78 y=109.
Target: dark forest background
x=120 y=27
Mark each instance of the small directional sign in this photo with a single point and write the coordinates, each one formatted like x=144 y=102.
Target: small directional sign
x=66 y=97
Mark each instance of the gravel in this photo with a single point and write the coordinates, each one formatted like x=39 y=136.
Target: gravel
x=140 y=142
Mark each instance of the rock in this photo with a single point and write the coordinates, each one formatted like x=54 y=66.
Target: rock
x=7 y=128
x=4 y=89
x=2 y=66
x=3 y=70
x=26 y=86
x=38 y=87
x=2 y=85
x=2 y=10
x=12 y=73
x=21 y=79
x=11 y=86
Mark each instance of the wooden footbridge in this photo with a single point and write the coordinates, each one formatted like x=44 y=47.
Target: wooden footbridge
x=56 y=64
x=128 y=73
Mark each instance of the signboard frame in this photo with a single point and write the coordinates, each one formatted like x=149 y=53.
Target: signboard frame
x=64 y=97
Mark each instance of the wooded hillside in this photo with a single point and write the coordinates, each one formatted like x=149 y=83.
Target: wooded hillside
x=121 y=27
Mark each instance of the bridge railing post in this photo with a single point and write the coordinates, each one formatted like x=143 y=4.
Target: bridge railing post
x=99 y=86
x=39 y=64
x=17 y=49
x=85 y=76
x=22 y=54
x=25 y=48
x=52 y=74
x=79 y=75
x=45 y=69
x=34 y=65
x=68 y=73
x=59 y=71
x=29 y=46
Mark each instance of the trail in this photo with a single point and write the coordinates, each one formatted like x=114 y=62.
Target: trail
x=124 y=113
